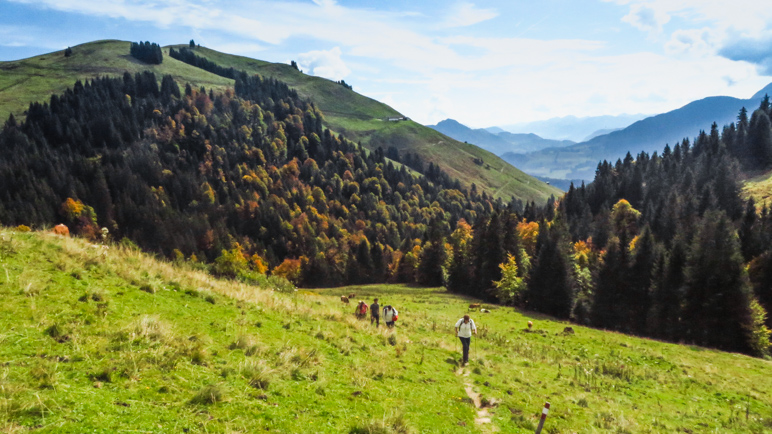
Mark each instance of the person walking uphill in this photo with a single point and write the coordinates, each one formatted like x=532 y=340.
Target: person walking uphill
x=375 y=313
x=389 y=315
x=464 y=329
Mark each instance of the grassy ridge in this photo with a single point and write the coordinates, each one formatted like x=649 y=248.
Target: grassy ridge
x=110 y=339
x=759 y=187
x=37 y=78
x=357 y=117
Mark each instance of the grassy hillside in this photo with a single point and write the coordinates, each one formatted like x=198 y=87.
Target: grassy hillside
x=357 y=117
x=108 y=339
x=39 y=77
x=758 y=186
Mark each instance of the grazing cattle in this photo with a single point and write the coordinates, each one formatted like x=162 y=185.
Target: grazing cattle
x=568 y=330
x=474 y=306
x=344 y=299
x=61 y=229
x=530 y=325
x=351 y=296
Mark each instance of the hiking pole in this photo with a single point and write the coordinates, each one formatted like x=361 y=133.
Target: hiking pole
x=543 y=417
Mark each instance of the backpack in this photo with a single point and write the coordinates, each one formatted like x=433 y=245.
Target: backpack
x=388 y=306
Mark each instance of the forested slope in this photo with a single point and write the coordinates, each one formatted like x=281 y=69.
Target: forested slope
x=357 y=117
x=249 y=179
x=659 y=245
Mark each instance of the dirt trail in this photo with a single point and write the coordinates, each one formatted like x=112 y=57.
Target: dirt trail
x=483 y=418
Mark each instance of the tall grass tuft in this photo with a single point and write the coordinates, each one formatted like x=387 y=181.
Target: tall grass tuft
x=208 y=395
x=395 y=424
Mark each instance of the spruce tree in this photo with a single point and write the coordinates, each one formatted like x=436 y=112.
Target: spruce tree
x=760 y=140
x=550 y=287
x=717 y=293
x=607 y=304
x=667 y=294
x=637 y=298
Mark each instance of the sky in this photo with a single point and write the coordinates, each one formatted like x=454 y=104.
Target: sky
x=482 y=63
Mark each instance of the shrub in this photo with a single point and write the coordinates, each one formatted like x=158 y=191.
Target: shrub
x=230 y=262
x=289 y=269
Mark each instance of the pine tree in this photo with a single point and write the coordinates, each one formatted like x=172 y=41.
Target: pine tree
x=717 y=294
x=607 y=305
x=760 y=140
x=667 y=294
x=637 y=298
x=550 y=288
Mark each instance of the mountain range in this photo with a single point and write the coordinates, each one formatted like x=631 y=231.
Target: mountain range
x=577 y=129
x=497 y=141
x=580 y=160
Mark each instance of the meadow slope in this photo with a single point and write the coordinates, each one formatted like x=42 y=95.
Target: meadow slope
x=107 y=339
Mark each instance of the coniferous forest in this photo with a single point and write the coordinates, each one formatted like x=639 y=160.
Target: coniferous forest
x=249 y=181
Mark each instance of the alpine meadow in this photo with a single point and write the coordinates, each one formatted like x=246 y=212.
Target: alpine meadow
x=198 y=241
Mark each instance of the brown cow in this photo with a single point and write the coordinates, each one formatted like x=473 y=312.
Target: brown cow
x=351 y=296
x=474 y=306
x=344 y=299
x=61 y=229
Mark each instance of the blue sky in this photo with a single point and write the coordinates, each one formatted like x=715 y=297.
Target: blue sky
x=483 y=63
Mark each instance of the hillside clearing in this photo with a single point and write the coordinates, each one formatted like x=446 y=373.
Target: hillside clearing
x=110 y=339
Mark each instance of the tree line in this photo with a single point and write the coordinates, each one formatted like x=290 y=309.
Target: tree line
x=147 y=52
x=658 y=245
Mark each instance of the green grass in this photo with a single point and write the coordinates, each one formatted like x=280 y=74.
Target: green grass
x=356 y=116
x=758 y=186
x=84 y=348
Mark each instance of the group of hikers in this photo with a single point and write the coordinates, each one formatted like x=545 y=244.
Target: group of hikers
x=389 y=313
x=465 y=326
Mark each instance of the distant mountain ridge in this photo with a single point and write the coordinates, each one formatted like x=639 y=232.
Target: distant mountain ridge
x=579 y=161
x=573 y=128
x=498 y=142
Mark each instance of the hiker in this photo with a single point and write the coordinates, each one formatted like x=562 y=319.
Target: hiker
x=464 y=329
x=389 y=315
x=361 y=311
x=375 y=313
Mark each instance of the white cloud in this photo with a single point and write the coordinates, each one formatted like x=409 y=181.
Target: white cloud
x=467 y=14
x=698 y=42
x=646 y=18
x=324 y=63
x=431 y=68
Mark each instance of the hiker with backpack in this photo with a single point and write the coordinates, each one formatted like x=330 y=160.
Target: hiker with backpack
x=464 y=329
x=361 y=310
x=389 y=315
x=375 y=313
